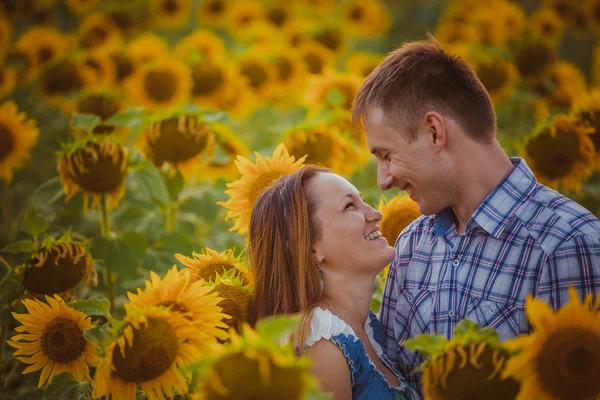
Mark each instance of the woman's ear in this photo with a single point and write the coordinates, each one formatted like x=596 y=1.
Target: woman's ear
x=317 y=254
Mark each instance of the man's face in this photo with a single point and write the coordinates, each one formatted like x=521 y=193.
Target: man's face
x=413 y=167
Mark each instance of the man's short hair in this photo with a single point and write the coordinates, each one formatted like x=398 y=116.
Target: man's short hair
x=419 y=77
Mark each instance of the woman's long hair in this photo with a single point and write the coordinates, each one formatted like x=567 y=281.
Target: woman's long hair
x=283 y=231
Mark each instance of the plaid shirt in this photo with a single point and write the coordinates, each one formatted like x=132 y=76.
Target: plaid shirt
x=524 y=239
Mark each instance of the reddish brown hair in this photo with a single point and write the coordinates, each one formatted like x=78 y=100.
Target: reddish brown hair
x=282 y=235
x=419 y=77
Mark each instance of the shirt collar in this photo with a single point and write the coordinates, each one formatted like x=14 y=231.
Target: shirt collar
x=499 y=206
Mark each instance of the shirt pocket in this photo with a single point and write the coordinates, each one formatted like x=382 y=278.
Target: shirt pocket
x=413 y=313
x=506 y=318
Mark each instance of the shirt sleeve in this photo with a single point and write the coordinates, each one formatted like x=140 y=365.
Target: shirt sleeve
x=575 y=263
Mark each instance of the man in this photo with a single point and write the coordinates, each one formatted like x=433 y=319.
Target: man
x=490 y=234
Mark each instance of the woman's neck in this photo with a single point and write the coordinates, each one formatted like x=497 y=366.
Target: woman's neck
x=350 y=299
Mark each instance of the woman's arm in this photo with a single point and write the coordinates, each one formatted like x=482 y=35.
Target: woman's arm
x=330 y=368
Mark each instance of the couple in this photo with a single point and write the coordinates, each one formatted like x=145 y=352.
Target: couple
x=490 y=233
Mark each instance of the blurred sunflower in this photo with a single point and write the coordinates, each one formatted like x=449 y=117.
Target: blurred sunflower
x=42 y=44
x=316 y=9
x=534 y=59
x=268 y=370
x=398 y=213
x=82 y=7
x=210 y=263
x=318 y=58
x=451 y=33
x=60 y=79
x=55 y=340
x=182 y=141
x=365 y=18
x=95 y=166
x=8 y=80
x=102 y=104
x=195 y=301
x=293 y=34
x=228 y=147
x=362 y=63
x=97 y=70
x=58 y=266
x=278 y=14
x=260 y=74
x=170 y=13
x=210 y=83
x=149 y=352
x=588 y=112
x=320 y=91
x=563 y=87
x=564 y=8
x=236 y=295
x=242 y=15
x=125 y=66
x=291 y=70
x=5 y=32
x=561 y=358
x=98 y=32
x=561 y=153
x=492 y=30
x=591 y=8
x=332 y=37
x=201 y=45
x=498 y=76
x=17 y=136
x=546 y=25
x=213 y=13
x=514 y=19
x=239 y=100
x=255 y=178
x=161 y=85
x=147 y=47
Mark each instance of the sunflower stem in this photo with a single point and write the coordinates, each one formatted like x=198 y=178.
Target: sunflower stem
x=3 y=331
x=105 y=231
x=10 y=374
x=171 y=217
x=5 y=263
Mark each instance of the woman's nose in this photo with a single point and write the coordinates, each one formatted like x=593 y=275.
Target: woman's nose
x=373 y=214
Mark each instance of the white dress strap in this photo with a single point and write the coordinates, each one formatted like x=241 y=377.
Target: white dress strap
x=325 y=325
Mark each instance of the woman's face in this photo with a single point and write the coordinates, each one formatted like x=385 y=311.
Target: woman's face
x=350 y=237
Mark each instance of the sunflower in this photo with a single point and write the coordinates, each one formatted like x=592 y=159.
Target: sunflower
x=546 y=25
x=236 y=295
x=149 y=352
x=332 y=37
x=268 y=370
x=160 y=85
x=259 y=73
x=95 y=166
x=514 y=19
x=492 y=30
x=97 y=70
x=563 y=87
x=365 y=19
x=58 y=267
x=534 y=59
x=8 y=80
x=211 y=83
x=588 y=112
x=170 y=13
x=228 y=147
x=498 y=76
x=82 y=7
x=362 y=63
x=103 y=105
x=195 y=301
x=451 y=33
x=17 y=136
x=201 y=45
x=278 y=14
x=147 y=47
x=213 y=13
x=469 y=366
x=255 y=178
x=99 y=33
x=293 y=34
x=318 y=58
x=561 y=153
x=42 y=45
x=397 y=213
x=241 y=17
x=239 y=100
x=210 y=263
x=124 y=65
x=55 y=340
x=291 y=70
x=181 y=141
x=591 y=8
x=561 y=358
x=564 y=8
x=332 y=90
x=60 y=79
x=5 y=32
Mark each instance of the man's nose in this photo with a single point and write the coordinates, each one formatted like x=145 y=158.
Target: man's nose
x=384 y=179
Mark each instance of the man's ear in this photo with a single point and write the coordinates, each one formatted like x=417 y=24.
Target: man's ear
x=436 y=130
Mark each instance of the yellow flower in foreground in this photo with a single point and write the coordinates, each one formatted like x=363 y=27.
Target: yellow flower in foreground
x=149 y=352
x=560 y=360
x=398 y=212
x=17 y=136
x=210 y=263
x=198 y=303
x=244 y=192
x=55 y=340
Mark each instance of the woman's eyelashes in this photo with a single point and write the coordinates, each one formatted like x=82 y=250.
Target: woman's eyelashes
x=349 y=205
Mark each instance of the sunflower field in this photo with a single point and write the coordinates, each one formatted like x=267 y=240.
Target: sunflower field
x=135 y=137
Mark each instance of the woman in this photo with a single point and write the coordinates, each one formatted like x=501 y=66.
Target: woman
x=316 y=249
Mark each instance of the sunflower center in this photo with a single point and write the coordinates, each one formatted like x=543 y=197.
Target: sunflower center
x=262 y=182
x=216 y=7
x=277 y=16
x=493 y=76
x=209 y=272
x=285 y=68
x=596 y=12
x=177 y=139
x=62 y=340
x=170 y=6
x=99 y=170
x=255 y=73
x=7 y=141
x=153 y=352
x=61 y=268
x=124 y=66
x=569 y=364
x=533 y=59
x=318 y=147
x=206 y=79
x=174 y=306
x=547 y=28
x=235 y=303
x=314 y=63
x=554 y=157
x=562 y=8
x=94 y=37
x=160 y=85
x=45 y=54
x=61 y=78
x=330 y=38
x=356 y=14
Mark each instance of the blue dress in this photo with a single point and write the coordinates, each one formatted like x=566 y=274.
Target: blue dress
x=367 y=381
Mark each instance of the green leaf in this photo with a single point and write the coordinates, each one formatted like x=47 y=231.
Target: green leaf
x=22 y=246
x=33 y=222
x=11 y=289
x=151 y=183
x=174 y=184
x=65 y=386
x=335 y=97
x=214 y=116
x=85 y=122
x=275 y=328
x=117 y=255
x=428 y=345
x=47 y=193
x=99 y=306
x=130 y=118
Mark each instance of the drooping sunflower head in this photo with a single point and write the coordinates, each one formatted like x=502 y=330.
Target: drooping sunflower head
x=201 y=45
x=317 y=58
x=147 y=47
x=588 y=112
x=333 y=90
x=98 y=32
x=365 y=19
x=256 y=177
x=102 y=104
x=534 y=59
x=546 y=25
x=51 y=337
x=149 y=352
x=222 y=164
x=397 y=213
x=470 y=366
x=160 y=85
x=362 y=63
x=208 y=264
x=561 y=153
x=498 y=76
x=561 y=358
x=96 y=166
x=170 y=13
x=237 y=297
x=213 y=12
x=17 y=136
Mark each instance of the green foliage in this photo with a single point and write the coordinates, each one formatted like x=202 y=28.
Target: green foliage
x=33 y=222
x=11 y=289
x=275 y=329
x=98 y=306
x=84 y=122
x=120 y=255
